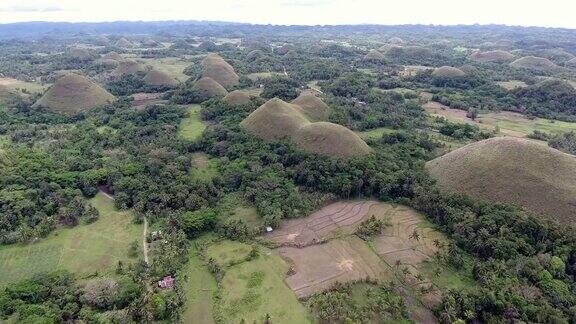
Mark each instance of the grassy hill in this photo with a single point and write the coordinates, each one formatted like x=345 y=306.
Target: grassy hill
x=312 y=107
x=534 y=63
x=219 y=70
x=74 y=93
x=237 y=97
x=275 y=119
x=330 y=139
x=512 y=170
x=492 y=56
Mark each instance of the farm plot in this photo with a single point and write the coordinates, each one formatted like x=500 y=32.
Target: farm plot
x=339 y=260
x=336 y=219
x=191 y=127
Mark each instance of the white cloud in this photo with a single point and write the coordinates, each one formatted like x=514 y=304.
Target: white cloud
x=553 y=13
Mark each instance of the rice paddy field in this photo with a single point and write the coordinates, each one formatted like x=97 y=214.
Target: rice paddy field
x=191 y=127
x=83 y=249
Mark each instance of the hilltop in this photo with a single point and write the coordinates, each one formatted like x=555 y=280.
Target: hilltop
x=330 y=139
x=512 y=170
x=312 y=107
x=216 y=68
x=74 y=93
x=275 y=119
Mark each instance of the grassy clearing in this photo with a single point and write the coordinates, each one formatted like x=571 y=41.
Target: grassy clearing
x=204 y=168
x=252 y=289
x=235 y=208
x=227 y=252
x=508 y=123
x=23 y=86
x=262 y=75
x=83 y=249
x=512 y=84
x=191 y=127
x=200 y=288
x=446 y=277
x=173 y=66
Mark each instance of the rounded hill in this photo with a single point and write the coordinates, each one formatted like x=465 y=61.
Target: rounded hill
x=330 y=139
x=312 y=107
x=492 y=56
x=216 y=68
x=448 y=72
x=129 y=67
x=374 y=55
x=112 y=56
x=207 y=88
x=237 y=98
x=275 y=119
x=534 y=63
x=159 y=78
x=73 y=93
x=512 y=170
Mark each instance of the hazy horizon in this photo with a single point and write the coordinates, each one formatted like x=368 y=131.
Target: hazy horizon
x=556 y=13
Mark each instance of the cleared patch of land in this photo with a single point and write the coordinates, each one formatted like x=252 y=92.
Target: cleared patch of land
x=203 y=167
x=509 y=123
x=191 y=127
x=83 y=249
x=173 y=66
x=318 y=267
x=200 y=288
x=326 y=223
x=262 y=75
x=20 y=86
x=512 y=84
x=252 y=288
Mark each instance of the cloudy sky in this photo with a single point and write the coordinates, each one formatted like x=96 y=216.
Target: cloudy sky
x=550 y=13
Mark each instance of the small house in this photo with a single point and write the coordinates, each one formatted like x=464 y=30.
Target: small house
x=166 y=282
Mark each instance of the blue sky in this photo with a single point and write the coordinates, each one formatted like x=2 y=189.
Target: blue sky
x=551 y=13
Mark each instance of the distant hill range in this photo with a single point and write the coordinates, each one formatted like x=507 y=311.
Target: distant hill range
x=36 y=30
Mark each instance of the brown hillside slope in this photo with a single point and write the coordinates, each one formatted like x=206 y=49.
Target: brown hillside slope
x=209 y=88
x=492 y=56
x=312 y=107
x=512 y=170
x=275 y=119
x=236 y=98
x=129 y=67
x=159 y=78
x=219 y=70
x=330 y=139
x=448 y=72
x=73 y=93
x=535 y=63
x=123 y=42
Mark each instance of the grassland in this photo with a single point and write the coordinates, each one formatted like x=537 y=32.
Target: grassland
x=204 y=168
x=191 y=127
x=23 y=86
x=83 y=249
x=173 y=66
x=506 y=122
x=262 y=75
x=200 y=288
x=253 y=288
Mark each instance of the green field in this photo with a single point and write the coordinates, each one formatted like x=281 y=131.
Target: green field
x=252 y=289
x=200 y=288
x=191 y=127
x=204 y=168
x=83 y=249
x=173 y=66
x=21 y=86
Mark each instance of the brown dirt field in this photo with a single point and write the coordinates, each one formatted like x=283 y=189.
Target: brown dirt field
x=339 y=256
x=437 y=109
x=141 y=99
x=335 y=219
x=339 y=260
